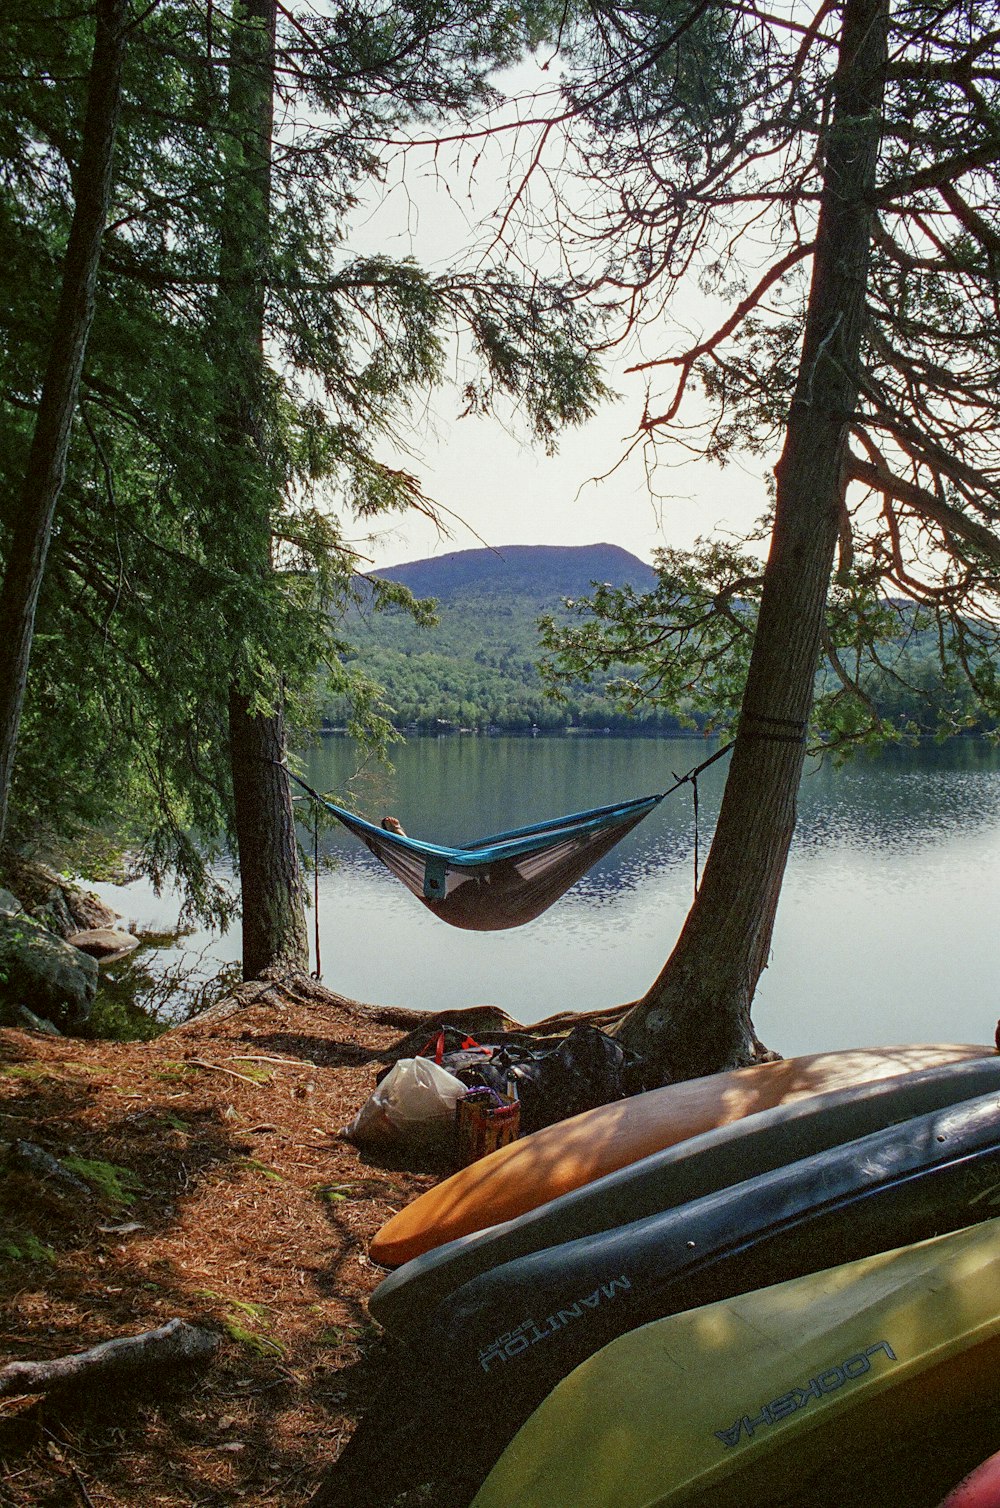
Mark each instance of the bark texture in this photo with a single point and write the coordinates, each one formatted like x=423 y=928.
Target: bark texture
x=29 y=545
x=695 y=1018
x=275 y=936
x=275 y=939
x=174 y=1344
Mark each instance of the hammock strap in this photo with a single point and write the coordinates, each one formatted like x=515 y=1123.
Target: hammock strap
x=318 y=971
x=692 y=775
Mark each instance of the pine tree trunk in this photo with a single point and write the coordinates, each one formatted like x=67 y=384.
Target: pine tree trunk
x=29 y=545
x=275 y=939
x=695 y=1018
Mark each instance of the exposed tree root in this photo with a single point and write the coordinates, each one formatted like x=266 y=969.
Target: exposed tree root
x=173 y=1344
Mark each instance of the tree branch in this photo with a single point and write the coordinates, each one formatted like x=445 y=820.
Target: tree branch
x=173 y=1344
x=928 y=505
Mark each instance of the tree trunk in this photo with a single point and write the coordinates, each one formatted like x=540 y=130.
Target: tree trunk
x=695 y=1018
x=29 y=545
x=275 y=939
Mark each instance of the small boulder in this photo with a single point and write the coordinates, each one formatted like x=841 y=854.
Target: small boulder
x=28 y=1157
x=44 y=973
x=19 y=1015
x=88 y=911
x=56 y=901
x=54 y=913
x=9 y=904
x=103 y=942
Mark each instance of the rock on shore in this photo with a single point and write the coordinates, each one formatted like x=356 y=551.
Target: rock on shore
x=49 y=953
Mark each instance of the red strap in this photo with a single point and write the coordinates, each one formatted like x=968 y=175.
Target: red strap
x=434 y=1047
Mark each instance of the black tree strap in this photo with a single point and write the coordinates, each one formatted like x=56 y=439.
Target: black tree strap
x=750 y=720
x=692 y=775
x=317 y=799
x=291 y=775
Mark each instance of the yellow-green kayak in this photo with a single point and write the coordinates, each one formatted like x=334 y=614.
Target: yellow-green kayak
x=767 y=1397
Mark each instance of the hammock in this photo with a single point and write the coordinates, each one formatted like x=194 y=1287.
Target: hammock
x=510 y=878
x=505 y=880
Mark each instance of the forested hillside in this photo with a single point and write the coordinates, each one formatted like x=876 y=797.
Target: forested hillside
x=476 y=667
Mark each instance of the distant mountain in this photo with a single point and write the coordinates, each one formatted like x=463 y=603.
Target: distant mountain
x=550 y=572
x=476 y=668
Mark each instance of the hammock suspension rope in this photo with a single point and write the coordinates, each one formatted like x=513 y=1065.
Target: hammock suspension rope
x=318 y=971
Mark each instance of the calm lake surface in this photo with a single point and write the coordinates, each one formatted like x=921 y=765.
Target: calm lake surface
x=886 y=930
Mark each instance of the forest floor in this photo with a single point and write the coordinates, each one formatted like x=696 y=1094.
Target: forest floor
x=223 y=1195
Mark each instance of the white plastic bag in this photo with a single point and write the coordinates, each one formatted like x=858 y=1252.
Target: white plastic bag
x=414 y=1104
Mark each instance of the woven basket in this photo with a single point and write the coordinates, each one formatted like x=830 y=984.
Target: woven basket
x=481 y=1125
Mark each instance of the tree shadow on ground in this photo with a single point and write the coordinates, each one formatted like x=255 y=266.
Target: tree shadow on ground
x=188 y=1209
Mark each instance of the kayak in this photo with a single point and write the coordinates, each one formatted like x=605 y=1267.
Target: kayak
x=690 y=1169
x=980 y=1489
x=550 y=1162
x=491 y=1352
x=785 y=1395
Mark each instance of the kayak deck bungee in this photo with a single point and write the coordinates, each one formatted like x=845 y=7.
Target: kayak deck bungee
x=793 y=1394
x=550 y=1162
x=491 y=1352
x=702 y=1164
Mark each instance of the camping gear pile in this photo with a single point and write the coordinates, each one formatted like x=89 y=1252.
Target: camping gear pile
x=778 y=1286
x=458 y=1095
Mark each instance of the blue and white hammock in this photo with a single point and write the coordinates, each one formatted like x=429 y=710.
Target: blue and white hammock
x=510 y=878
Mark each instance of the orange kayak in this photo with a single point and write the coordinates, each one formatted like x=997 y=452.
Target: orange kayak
x=540 y=1167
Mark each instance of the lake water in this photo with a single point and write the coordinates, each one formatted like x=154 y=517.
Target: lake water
x=886 y=930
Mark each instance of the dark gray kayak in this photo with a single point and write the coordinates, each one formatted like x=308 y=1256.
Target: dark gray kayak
x=715 y=1160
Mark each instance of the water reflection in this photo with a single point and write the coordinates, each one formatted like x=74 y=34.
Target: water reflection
x=884 y=933
x=907 y=798
x=885 y=930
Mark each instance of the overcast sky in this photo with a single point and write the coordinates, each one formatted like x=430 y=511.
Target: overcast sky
x=499 y=487
x=503 y=490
